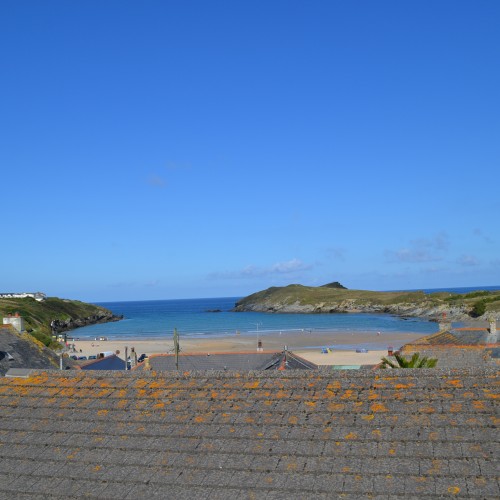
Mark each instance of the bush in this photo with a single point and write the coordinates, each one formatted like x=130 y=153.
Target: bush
x=478 y=309
x=44 y=339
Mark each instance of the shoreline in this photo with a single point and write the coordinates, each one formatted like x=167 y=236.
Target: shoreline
x=297 y=342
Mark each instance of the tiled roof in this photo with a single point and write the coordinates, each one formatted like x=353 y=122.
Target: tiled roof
x=458 y=336
x=245 y=361
x=108 y=363
x=25 y=352
x=450 y=356
x=225 y=435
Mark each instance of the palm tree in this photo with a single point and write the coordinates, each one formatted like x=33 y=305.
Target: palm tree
x=415 y=362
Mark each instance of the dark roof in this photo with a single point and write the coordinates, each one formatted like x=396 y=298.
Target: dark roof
x=458 y=347
x=457 y=336
x=108 y=363
x=23 y=351
x=277 y=435
x=245 y=361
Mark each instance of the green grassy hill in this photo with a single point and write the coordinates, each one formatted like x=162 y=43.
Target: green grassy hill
x=327 y=299
x=67 y=314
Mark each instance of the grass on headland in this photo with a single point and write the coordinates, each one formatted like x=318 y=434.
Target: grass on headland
x=39 y=315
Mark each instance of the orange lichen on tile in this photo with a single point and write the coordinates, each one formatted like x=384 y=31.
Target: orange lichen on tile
x=456 y=407
x=334 y=385
x=251 y=385
x=293 y=420
x=368 y=417
x=347 y=394
x=453 y=490
x=427 y=409
x=436 y=467
x=455 y=383
x=490 y=395
x=378 y=407
x=495 y=421
x=102 y=413
x=403 y=386
x=377 y=433
x=351 y=435
x=36 y=380
x=479 y=405
x=336 y=407
x=140 y=383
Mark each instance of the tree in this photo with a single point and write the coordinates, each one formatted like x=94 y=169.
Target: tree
x=415 y=362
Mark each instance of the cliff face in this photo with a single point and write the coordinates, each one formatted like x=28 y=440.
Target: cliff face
x=59 y=325
x=421 y=310
x=307 y=300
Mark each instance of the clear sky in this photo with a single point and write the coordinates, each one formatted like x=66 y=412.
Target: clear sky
x=181 y=148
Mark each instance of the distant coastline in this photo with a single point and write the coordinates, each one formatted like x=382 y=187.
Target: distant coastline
x=454 y=304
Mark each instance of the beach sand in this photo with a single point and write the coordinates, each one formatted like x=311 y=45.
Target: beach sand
x=306 y=344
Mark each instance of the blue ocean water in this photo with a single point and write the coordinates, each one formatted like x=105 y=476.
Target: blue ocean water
x=153 y=319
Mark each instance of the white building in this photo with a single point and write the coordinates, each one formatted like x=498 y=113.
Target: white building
x=16 y=321
x=35 y=295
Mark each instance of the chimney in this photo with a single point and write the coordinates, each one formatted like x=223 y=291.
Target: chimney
x=444 y=325
x=492 y=334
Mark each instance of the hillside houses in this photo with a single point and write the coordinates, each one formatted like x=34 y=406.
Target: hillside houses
x=39 y=296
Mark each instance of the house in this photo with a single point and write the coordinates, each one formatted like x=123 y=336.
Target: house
x=242 y=361
x=39 y=296
x=112 y=362
x=24 y=352
x=467 y=346
x=16 y=321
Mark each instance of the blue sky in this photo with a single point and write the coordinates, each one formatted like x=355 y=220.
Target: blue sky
x=177 y=149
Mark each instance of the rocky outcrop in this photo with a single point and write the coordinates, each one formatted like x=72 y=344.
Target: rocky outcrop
x=430 y=310
x=59 y=326
x=299 y=300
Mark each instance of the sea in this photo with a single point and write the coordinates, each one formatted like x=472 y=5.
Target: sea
x=196 y=318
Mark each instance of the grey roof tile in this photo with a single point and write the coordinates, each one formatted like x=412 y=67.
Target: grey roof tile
x=314 y=434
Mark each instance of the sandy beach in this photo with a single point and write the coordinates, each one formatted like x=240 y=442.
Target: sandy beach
x=304 y=343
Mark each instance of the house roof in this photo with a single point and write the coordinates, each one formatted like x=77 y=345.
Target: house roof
x=243 y=361
x=280 y=434
x=457 y=336
x=23 y=351
x=112 y=362
x=464 y=347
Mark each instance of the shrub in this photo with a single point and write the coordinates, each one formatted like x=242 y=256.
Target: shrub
x=478 y=309
x=44 y=339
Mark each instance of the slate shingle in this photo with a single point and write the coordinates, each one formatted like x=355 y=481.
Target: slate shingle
x=222 y=434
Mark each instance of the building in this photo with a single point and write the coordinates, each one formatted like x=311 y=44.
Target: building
x=23 y=352
x=242 y=361
x=464 y=347
x=16 y=321
x=35 y=295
